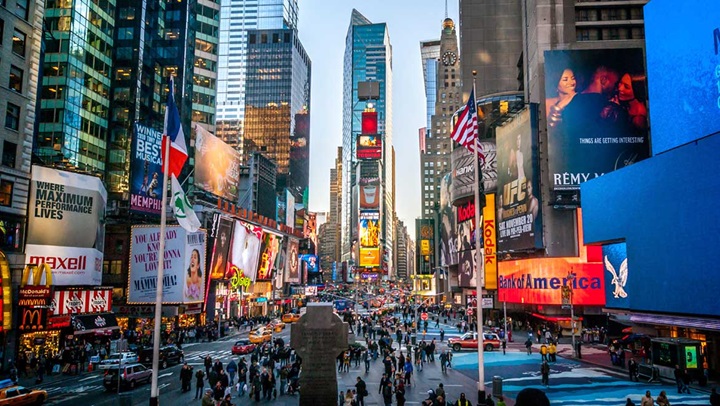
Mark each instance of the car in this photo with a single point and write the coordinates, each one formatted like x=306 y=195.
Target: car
x=491 y=341
x=277 y=325
x=125 y=357
x=290 y=317
x=15 y=395
x=169 y=354
x=260 y=335
x=130 y=375
x=243 y=347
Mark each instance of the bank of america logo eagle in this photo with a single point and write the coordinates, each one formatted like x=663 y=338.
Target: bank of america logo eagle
x=619 y=279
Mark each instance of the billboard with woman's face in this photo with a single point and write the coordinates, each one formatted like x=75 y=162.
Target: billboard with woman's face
x=596 y=112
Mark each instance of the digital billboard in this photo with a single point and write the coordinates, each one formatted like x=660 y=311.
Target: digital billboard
x=597 y=116
x=66 y=225
x=519 y=214
x=683 y=73
x=369 y=122
x=369 y=257
x=370 y=193
x=146 y=170
x=369 y=233
x=369 y=146
x=245 y=250
x=183 y=277
x=448 y=233
x=292 y=268
x=615 y=264
x=268 y=254
x=489 y=239
x=217 y=165
x=221 y=249
x=463 y=171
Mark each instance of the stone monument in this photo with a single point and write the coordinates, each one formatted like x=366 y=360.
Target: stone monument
x=318 y=337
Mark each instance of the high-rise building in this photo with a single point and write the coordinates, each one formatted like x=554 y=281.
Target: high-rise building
x=435 y=161
x=430 y=55
x=237 y=18
x=333 y=229
x=401 y=253
x=368 y=58
x=277 y=101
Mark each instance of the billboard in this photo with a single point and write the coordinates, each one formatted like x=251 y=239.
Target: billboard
x=221 y=249
x=448 y=234
x=81 y=301
x=596 y=109
x=269 y=251
x=217 y=165
x=370 y=193
x=245 y=250
x=369 y=122
x=489 y=238
x=146 y=171
x=370 y=233
x=683 y=73
x=519 y=221
x=290 y=209
x=467 y=261
x=369 y=146
x=615 y=264
x=369 y=257
x=463 y=171
x=183 y=276
x=66 y=227
x=292 y=269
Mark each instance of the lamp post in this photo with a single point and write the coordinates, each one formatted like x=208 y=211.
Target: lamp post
x=571 y=278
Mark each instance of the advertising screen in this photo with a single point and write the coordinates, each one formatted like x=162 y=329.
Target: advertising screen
x=489 y=242
x=221 y=249
x=183 y=277
x=370 y=193
x=309 y=263
x=369 y=257
x=519 y=221
x=217 y=165
x=683 y=73
x=146 y=171
x=369 y=233
x=369 y=147
x=615 y=265
x=245 y=250
x=463 y=170
x=369 y=123
x=66 y=225
x=448 y=234
x=290 y=209
x=292 y=269
x=269 y=251
x=597 y=114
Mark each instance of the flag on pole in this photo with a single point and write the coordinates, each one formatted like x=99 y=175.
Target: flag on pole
x=173 y=133
x=184 y=212
x=466 y=128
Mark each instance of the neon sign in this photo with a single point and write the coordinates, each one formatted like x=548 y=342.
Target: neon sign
x=238 y=279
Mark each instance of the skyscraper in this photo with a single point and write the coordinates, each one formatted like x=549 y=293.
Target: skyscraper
x=430 y=55
x=368 y=58
x=237 y=17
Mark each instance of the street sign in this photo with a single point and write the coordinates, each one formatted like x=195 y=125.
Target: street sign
x=424 y=316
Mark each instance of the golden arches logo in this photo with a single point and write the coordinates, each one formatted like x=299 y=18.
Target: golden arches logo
x=37 y=273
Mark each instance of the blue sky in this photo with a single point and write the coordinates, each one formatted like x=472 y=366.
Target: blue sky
x=322 y=28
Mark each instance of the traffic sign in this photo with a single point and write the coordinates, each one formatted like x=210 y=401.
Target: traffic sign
x=424 y=316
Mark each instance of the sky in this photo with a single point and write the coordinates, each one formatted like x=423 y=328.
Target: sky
x=322 y=26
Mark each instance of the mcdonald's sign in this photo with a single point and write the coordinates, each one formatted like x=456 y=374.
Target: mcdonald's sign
x=32 y=319
x=37 y=271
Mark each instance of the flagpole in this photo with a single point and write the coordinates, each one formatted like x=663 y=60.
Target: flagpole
x=154 y=401
x=479 y=271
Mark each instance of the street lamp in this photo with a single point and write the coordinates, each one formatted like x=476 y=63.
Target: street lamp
x=571 y=278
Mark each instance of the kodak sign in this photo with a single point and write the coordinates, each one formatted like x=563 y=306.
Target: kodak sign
x=490 y=243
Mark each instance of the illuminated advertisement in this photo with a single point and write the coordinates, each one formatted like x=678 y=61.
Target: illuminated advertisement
x=217 y=165
x=269 y=251
x=424 y=231
x=146 y=171
x=519 y=221
x=311 y=269
x=615 y=264
x=66 y=225
x=183 y=276
x=369 y=146
x=370 y=193
x=245 y=250
x=448 y=234
x=596 y=107
x=489 y=242
x=292 y=268
x=683 y=73
x=290 y=209
x=463 y=171
x=369 y=233
x=369 y=257
x=81 y=301
x=221 y=249
x=369 y=122
x=467 y=261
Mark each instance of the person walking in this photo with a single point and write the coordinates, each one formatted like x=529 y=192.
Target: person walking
x=408 y=369
x=232 y=370
x=207 y=400
x=545 y=371
x=528 y=346
x=443 y=361
x=387 y=393
x=442 y=335
x=185 y=378
x=504 y=345
x=199 y=383
x=552 y=352
x=462 y=401
x=662 y=399
x=633 y=370
x=366 y=358
x=686 y=381
x=361 y=390
x=544 y=352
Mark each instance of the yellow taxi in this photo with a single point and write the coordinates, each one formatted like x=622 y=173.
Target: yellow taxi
x=277 y=325
x=290 y=317
x=260 y=335
x=14 y=395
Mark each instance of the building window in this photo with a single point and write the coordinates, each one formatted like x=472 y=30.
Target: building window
x=112 y=267
x=8 y=154
x=2 y=30
x=126 y=33
x=6 y=190
x=252 y=38
x=21 y=9
x=16 y=79
x=18 y=46
x=12 y=116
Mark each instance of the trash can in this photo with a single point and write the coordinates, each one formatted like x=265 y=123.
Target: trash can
x=497 y=386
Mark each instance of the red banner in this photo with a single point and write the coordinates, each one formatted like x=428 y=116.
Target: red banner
x=82 y=301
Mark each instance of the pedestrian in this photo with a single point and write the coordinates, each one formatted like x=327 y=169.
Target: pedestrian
x=629 y=402
x=366 y=358
x=489 y=400
x=383 y=381
x=443 y=361
x=552 y=351
x=633 y=369
x=647 y=400
x=208 y=365
x=387 y=392
x=227 y=401
x=185 y=378
x=545 y=371
x=361 y=390
x=442 y=335
x=341 y=399
x=504 y=345
x=408 y=369
x=528 y=346
x=530 y=397
x=686 y=381
x=440 y=391
x=199 y=382
x=207 y=400
x=501 y=401
x=662 y=399
x=462 y=401
x=544 y=352
x=218 y=392
x=232 y=370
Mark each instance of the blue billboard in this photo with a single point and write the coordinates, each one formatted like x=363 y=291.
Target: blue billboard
x=146 y=171
x=619 y=288
x=682 y=42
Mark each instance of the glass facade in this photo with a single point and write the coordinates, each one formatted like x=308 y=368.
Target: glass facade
x=430 y=55
x=277 y=99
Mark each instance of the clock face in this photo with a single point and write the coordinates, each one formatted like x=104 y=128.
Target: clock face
x=449 y=58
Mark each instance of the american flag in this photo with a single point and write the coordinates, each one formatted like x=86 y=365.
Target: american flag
x=466 y=128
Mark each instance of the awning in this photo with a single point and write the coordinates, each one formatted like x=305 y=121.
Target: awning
x=98 y=323
x=554 y=318
x=679 y=321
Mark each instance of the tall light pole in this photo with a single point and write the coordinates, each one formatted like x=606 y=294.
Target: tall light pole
x=571 y=278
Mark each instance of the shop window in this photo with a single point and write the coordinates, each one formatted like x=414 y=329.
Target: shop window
x=8 y=154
